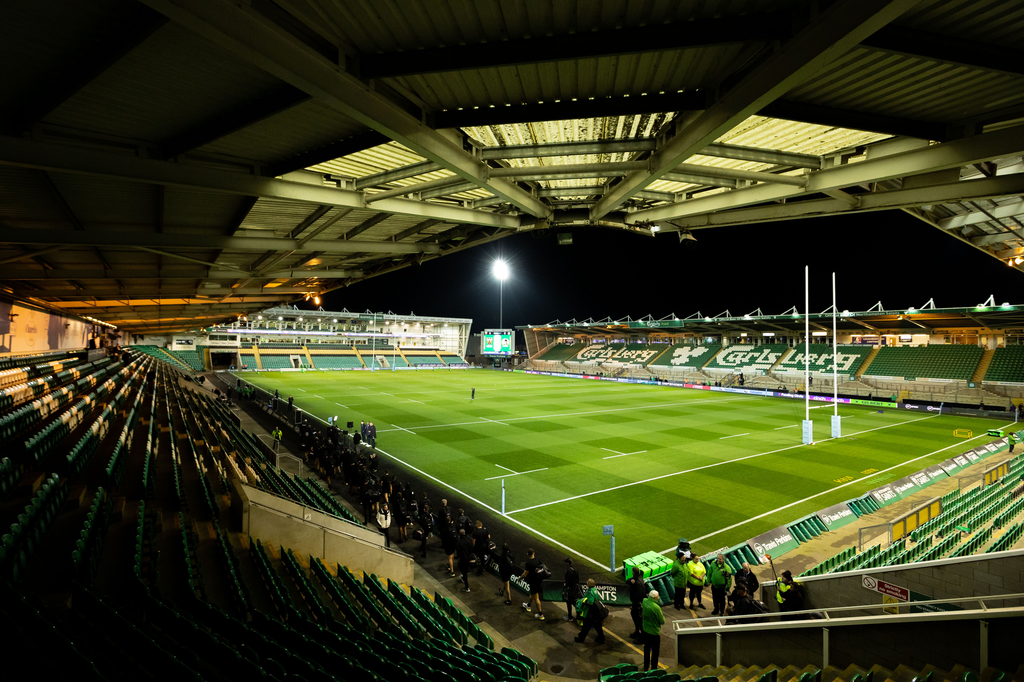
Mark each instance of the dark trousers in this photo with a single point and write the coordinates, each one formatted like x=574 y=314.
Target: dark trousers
x=695 y=591
x=679 y=598
x=652 y=649
x=480 y=554
x=636 y=612
x=718 y=598
x=464 y=571
x=592 y=621
x=387 y=536
x=569 y=609
x=423 y=543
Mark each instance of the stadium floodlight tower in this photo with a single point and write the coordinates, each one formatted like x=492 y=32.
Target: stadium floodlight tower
x=501 y=272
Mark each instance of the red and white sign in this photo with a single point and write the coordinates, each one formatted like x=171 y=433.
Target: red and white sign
x=882 y=587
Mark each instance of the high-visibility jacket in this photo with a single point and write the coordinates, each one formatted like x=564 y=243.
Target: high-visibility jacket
x=696 y=572
x=780 y=589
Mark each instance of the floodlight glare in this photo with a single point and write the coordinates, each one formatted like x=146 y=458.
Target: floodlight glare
x=501 y=270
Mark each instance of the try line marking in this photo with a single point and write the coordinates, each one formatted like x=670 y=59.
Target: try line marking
x=513 y=473
x=706 y=466
x=567 y=548
x=406 y=430
x=494 y=420
x=736 y=436
x=621 y=454
x=826 y=492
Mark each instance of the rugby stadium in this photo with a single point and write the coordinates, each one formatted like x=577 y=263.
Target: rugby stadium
x=215 y=470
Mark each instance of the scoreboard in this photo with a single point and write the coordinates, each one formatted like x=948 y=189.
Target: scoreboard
x=497 y=342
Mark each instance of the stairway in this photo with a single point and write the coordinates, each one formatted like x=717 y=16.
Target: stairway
x=309 y=358
x=867 y=362
x=256 y=354
x=986 y=360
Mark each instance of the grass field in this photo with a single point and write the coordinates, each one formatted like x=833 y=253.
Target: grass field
x=657 y=462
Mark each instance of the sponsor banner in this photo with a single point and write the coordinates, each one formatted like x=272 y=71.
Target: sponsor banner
x=950 y=466
x=611 y=595
x=884 y=495
x=921 y=479
x=905 y=486
x=934 y=472
x=774 y=543
x=873 y=403
x=836 y=516
x=921 y=408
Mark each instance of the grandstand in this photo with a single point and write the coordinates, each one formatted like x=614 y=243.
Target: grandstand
x=597 y=353
x=1007 y=365
x=848 y=359
x=560 y=352
x=685 y=356
x=934 y=361
x=752 y=359
x=191 y=358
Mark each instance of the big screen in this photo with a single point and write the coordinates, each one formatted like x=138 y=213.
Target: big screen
x=497 y=342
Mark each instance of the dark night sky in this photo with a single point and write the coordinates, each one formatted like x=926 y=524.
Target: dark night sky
x=887 y=256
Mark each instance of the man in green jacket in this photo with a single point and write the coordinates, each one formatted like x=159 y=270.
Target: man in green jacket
x=587 y=606
x=653 y=620
x=679 y=577
x=720 y=578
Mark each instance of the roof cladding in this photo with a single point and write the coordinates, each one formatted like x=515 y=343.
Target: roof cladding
x=230 y=156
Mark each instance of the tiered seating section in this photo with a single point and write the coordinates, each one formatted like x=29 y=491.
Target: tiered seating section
x=337 y=362
x=192 y=358
x=973 y=521
x=935 y=361
x=560 y=352
x=598 y=352
x=848 y=358
x=415 y=360
x=685 y=356
x=276 y=361
x=748 y=358
x=1007 y=365
x=163 y=355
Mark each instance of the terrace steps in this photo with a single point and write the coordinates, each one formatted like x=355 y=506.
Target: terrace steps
x=309 y=358
x=986 y=360
x=256 y=354
x=867 y=363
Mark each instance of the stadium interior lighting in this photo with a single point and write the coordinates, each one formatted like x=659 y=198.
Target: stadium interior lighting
x=912 y=310
x=279 y=318
x=500 y=270
x=316 y=300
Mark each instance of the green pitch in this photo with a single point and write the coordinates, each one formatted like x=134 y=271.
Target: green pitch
x=659 y=463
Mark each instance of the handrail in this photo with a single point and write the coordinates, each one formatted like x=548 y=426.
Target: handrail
x=678 y=628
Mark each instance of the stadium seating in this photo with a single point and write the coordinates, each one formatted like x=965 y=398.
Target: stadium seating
x=337 y=362
x=598 y=352
x=163 y=355
x=935 y=361
x=559 y=352
x=684 y=355
x=638 y=353
x=190 y=358
x=743 y=358
x=849 y=358
x=452 y=358
x=1007 y=365
x=417 y=360
x=276 y=361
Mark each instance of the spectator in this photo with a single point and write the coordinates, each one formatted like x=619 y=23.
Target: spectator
x=570 y=588
x=593 y=611
x=426 y=527
x=742 y=605
x=653 y=619
x=445 y=510
x=680 y=578
x=637 y=592
x=534 y=576
x=506 y=567
x=481 y=541
x=384 y=523
x=790 y=595
x=464 y=548
x=448 y=541
x=463 y=522
x=749 y=579
x=720 y=578
x=696 y=575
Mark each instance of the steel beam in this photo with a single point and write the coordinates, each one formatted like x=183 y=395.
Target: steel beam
x=998 y=238
x=335 y=150
x=875 y=201
x=240 y=30
x=166 y=274
x=48 y=156
x=1011 y=210
x=703 y=180
x=736 y=174
x=1006 y=142
x=828 y=35
x=621 y=41
x=803 y=112
x=365 y=225
x=13 y=235
x=385 y=177
x=945 y=48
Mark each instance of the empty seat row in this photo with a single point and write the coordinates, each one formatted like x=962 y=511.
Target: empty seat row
x=25 y=535
x=85 y=557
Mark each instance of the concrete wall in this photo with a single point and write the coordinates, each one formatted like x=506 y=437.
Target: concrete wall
x=284 y=523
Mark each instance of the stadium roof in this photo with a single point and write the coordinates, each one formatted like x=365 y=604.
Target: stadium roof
x=984 y=318
x=172 y=163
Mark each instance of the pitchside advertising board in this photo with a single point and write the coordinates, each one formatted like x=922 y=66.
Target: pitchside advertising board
x=774 y=543
x=497 y=342
x=836 y=516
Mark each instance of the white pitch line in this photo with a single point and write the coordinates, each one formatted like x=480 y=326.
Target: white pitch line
x=316 y=396
x=406 y=430
x=494 y=420
x=706 y=466
x=302 y=389
x=340 y=405
x=826 y=492
x=518 y=473
x=413 y=401
x=506 y=469
x=567 y=548
x=791 y=426
x=736 y=436
x=577 y=414
x=621 y=454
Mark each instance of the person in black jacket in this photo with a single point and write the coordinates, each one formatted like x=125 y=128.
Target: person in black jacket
x=464 y=549
x=742 y=605
x=481 y=540
x=506 y=567
x=570 y=588
x=637 y=591
x=749 y=579
x=448 y=540
x=426 y=527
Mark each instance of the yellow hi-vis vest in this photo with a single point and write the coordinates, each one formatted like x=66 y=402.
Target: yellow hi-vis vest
x=780 y=589
x=697 y=571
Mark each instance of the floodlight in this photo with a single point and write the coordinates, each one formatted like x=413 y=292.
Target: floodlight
x=501 y=270
x=316 y=300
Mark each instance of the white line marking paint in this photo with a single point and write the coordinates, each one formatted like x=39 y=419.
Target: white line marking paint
x=736 y=436
x=518 y=473
x=340 y=405
x=599 y=564
x=706 y=466
x=406 y=430
x=494 y=420
x=621 y=454
x=412 y=401
x=506 y=469
x=791 y=426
